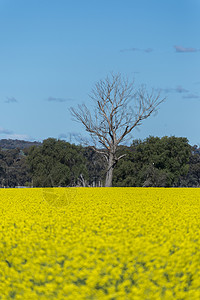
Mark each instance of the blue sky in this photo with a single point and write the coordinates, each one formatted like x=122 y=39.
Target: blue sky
x=53 y=52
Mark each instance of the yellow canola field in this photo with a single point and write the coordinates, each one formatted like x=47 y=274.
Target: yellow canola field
x=100 y=243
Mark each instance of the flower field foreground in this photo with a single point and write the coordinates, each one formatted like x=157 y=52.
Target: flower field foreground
x=100 y=243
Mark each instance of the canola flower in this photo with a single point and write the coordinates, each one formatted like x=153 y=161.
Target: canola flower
x=100 y=243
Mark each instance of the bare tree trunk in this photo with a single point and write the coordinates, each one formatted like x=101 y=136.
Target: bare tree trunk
x=109 y=173
x=82 y=181
x=118 y=110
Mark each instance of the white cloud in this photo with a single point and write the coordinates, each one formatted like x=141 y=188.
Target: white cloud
x=178 y=89
x=180 y=49
x=8 y=134
x=55 y=99
x=191 y=96
x=11 y=100
x=146 y=50
x=5 y=131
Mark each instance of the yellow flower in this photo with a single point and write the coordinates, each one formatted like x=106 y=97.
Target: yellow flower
x=123 y=243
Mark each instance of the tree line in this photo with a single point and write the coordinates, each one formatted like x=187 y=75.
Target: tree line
x=153 y=162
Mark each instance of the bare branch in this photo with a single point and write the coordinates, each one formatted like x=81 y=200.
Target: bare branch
x=121 y=156
x=100 y=152
x=118 y=110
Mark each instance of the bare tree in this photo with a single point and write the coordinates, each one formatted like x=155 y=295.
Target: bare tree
x=118 y=110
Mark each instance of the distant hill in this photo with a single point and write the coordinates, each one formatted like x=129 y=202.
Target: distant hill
x=13 y=144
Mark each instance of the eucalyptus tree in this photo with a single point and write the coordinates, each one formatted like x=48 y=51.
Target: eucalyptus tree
x=118 y=109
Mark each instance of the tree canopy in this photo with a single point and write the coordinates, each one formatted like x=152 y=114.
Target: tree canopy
x=166 y=161
x=154 y=162
x=56 y=163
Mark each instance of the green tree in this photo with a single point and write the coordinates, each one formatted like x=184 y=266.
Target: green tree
x=193 y=177
x=154 y=162
x=96 y=166
x=56 y=163
x=13 y=168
